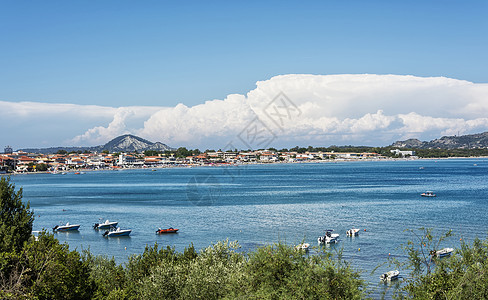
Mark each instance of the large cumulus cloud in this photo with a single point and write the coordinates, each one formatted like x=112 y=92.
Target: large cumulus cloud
x=322 y=110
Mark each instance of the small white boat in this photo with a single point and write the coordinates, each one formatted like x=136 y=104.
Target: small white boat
x=117 y=232
x=442 y=253
x=303 y=246
x=428 y=194
x=352 y=232
x=390 y=275
x=106 y=225
x=35 y=235
x=67 y=227
x=328 y=238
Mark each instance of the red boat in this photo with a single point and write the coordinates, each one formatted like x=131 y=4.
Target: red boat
x=168 y=230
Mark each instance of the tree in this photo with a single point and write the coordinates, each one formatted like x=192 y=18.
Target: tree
x=151 y=153
x=16 y=218
x=55 y=272
x=183 y=152
x=41 y=167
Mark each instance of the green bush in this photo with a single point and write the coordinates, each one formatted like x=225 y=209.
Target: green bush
x=280 y=271
x=15 y=218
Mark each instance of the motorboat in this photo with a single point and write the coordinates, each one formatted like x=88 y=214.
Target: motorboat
x=428 y=194
x=303 y=246
x=390 y=275
x=167 y=230
x=106 y=225
x=328 y=238
x=67 y=227
x=352 y=232
x=442 y=253
x=117 y=232
x=35 y=234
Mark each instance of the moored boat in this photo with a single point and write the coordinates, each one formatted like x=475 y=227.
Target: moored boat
x=106 y=225
x=67 y=227
x=441 y=253
x=117 y=232
x=303 y=246
x=167 y=230
x=328 y=238
x=390 y=275
x=428 y=194
x=352 y=232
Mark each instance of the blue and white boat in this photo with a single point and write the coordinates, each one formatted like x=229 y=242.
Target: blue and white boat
x=117 y=232
x=67 y=227
x=106 y=225
x=390 y=275
x=328 y=238
x=442 y=253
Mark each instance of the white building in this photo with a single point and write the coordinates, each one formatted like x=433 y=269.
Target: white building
x=403 y=153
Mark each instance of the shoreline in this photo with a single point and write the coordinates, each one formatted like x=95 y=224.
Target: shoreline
x=238 y=164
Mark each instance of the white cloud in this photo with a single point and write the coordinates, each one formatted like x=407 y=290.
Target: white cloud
x=183 y=125
x=325 y=109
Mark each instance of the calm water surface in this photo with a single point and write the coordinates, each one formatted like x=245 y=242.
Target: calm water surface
x=261 y=204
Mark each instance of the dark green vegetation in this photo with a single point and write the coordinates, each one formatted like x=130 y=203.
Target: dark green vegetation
x=434 y=153
x=44 y=269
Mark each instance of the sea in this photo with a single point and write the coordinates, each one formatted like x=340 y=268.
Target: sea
x=262 y=204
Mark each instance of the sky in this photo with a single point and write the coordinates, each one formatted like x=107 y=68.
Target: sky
x=206 y=74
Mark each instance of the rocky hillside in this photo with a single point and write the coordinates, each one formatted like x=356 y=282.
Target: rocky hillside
x=123 y=143
x=470 y=141
x=129 y=143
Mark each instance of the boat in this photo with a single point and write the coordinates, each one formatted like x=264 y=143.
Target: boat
x=67 y=227
x=441 y=253
x=106 y=225
x=303 y=246
x=168 y=230
x=117 y=232
x=390 y=275
x=352 y=232
x=35 y=234
x=428 y=194
x=328 y=238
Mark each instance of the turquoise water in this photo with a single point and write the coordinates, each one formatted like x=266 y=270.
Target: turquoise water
x=262 y=204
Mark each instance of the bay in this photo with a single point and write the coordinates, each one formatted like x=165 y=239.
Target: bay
x=262 y=204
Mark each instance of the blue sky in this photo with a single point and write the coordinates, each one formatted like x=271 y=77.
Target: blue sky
x=161 y=53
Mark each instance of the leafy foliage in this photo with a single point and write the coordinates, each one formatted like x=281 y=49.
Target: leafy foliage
x=15 y=217
x=279 y=271
x=44 y=269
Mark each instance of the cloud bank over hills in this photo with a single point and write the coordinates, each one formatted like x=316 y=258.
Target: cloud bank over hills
x=295 y=109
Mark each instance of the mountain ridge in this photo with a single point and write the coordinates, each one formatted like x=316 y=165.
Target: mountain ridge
x=123 y=143
x=468 y=141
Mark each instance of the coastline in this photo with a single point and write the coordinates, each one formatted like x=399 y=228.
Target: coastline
x=170 y=166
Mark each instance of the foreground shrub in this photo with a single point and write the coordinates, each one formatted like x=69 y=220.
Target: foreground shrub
x=15 y=218
x=45 y=269
x=208 y=275
x=280 y=271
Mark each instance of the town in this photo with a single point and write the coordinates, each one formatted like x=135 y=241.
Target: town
x=62 y=161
